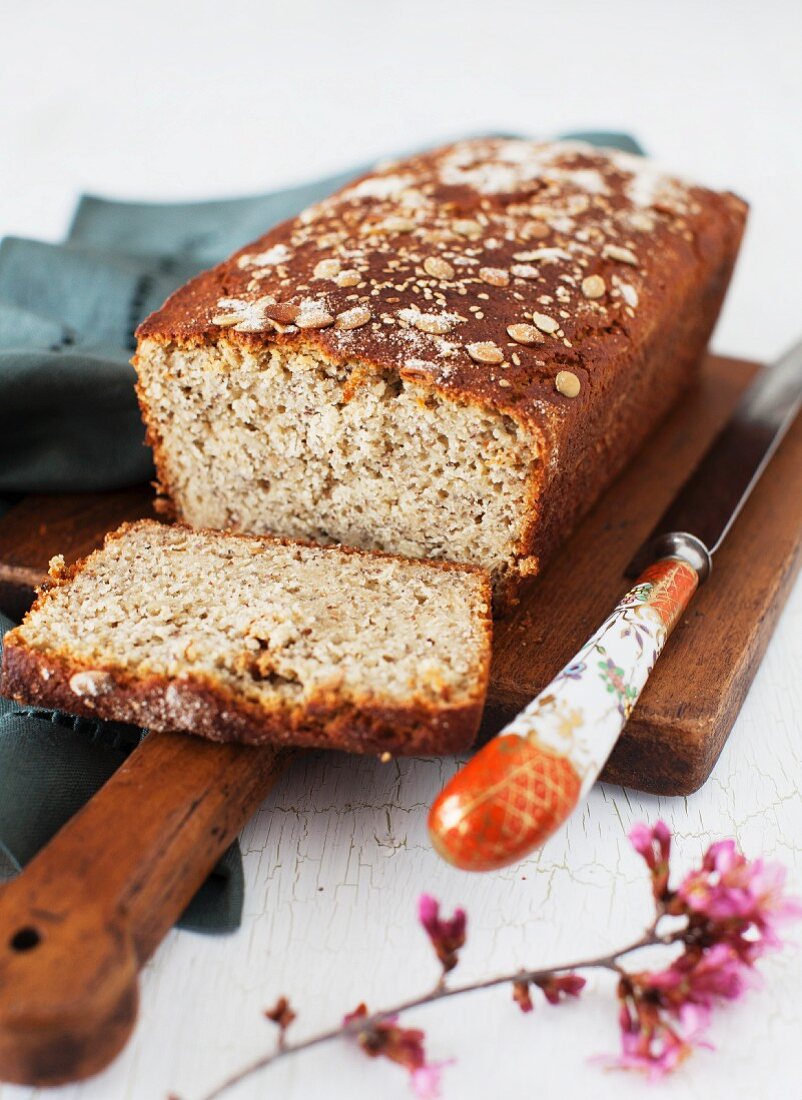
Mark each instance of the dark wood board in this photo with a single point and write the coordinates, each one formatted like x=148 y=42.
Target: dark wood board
x=693 y=697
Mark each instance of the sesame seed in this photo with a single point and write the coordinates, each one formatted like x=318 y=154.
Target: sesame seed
x=524 y=271
x=313 y=314
x=353 y=318
x=629 y=294
x=567 y=383
x=544 y=323
x=438 y=268
x=495 y=276
x=550 y=255
x=622 y=255
x=535 y=231
x=326 y=269
x=398 y=225
x=465 y=227
x=283 y=312
x=316 y=320
x=436 y=325
x=593 y=286
x=348 y=278
x=641 y=221
x=524 y=334
x=485 y=352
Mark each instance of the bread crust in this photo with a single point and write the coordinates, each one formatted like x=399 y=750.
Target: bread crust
x=201 y=707
x=555 y=214
x=197 y=704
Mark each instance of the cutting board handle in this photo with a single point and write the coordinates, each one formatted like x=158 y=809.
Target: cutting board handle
x=81 y=919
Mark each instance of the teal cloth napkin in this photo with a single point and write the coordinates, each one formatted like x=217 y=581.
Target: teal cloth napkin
x=69 y=422
x=51 y=764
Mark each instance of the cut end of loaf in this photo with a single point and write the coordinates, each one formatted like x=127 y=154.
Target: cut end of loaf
x=271 y=439
x=448 y=358
x=260 y=640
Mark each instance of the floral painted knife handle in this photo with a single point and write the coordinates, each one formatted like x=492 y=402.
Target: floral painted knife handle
x=521 y=786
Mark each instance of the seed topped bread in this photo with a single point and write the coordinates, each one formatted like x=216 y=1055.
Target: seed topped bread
x=260 y=640
x=449 y=358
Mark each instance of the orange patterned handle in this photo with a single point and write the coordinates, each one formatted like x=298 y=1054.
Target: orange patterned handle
x=524 y=783
x=507 y=800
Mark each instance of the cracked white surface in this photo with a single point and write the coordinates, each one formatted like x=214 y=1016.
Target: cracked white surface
x=335 y=861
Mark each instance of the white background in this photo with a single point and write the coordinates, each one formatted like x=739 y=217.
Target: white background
x=171 y=100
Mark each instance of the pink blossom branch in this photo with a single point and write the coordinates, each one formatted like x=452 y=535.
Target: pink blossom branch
x=730 y=908
x=440 y=992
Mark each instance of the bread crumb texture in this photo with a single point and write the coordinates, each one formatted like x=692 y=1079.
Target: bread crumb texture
x=269 y=439
x=382 y=368
x=283 y=632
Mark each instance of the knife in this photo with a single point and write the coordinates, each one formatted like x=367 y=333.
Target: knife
x=524 y=783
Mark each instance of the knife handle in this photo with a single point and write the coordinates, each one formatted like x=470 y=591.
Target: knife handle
x=521 y=786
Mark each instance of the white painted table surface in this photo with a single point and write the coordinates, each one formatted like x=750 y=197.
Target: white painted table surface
x=168 y=100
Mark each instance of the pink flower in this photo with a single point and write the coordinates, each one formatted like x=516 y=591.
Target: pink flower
x=655 y=846
x=717 y=974
x=554 y=988
x=427 y=1079
x=648 y=1043
x=773 y=905
x=281 y=1014
x=744 y=900
x=402 y=1045
x=447 y=936
x=698 y=978
x=694 y=1020
x=567 y=985
x=359 y=1013
x=521 y=995
x=722 y=856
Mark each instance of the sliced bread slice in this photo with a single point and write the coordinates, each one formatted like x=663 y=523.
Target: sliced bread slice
x=256 y=639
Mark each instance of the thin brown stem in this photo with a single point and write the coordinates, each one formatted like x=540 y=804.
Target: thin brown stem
x=440 y=992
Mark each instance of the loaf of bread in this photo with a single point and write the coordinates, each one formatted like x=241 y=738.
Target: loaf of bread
x=260 y=640
x=450 y=358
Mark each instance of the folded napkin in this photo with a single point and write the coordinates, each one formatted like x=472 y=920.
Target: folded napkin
x=69 y=422
x=51 y=764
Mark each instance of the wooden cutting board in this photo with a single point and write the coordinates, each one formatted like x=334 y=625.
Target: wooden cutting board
x=693 y=697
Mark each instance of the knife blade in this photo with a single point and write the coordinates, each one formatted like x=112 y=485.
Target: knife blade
x=708 y=503
x=525 y=782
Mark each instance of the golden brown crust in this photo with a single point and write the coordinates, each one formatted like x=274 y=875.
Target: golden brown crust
x=42 y=679
x=569 y=204
x=616 y=270
x=201 y=706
